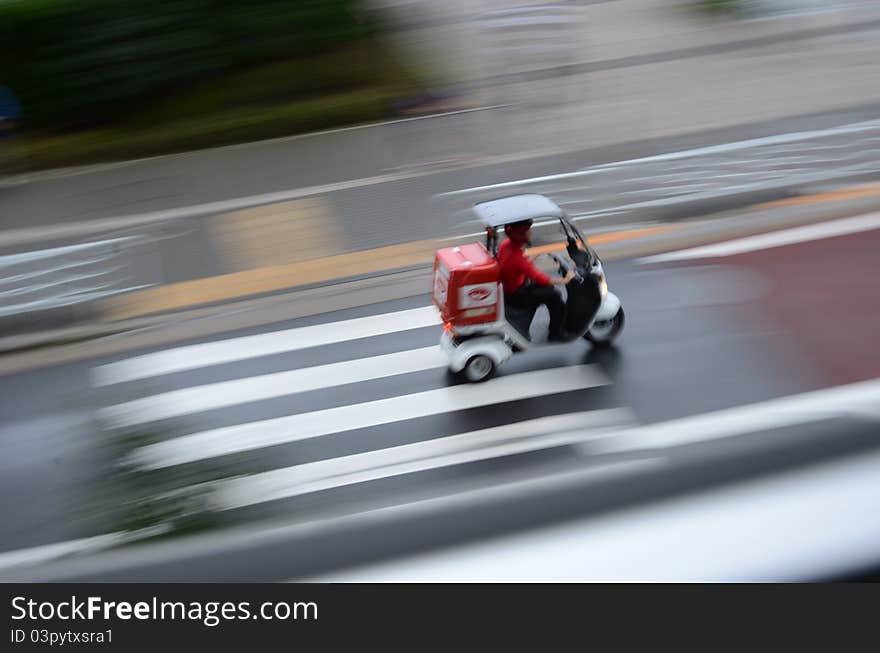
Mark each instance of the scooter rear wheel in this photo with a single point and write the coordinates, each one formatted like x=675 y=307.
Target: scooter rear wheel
x=478 y=368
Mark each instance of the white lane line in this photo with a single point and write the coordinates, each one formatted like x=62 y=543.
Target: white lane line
x=292 y=428
x=772 y=239
x=192 y=357
x=210 y=396
x=479 y=234
x=72 y=229
x=530 y=180
x=858 y=399
x=683 y=154
x=521 y=437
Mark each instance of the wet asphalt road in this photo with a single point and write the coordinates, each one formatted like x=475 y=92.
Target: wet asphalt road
x=700 y=336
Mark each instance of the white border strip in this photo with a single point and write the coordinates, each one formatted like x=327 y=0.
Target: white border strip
x=772 y=239
x=799 y=526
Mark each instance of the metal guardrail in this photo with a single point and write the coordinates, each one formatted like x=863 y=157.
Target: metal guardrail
x=58 y=277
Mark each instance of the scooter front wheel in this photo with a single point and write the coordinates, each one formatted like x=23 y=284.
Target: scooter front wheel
x=478 y=368
x=602 y=334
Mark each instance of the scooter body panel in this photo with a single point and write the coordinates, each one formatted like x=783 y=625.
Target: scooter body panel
x=608 y=308
x=492 y=346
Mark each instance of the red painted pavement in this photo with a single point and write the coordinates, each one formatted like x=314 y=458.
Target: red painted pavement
x=826 y=295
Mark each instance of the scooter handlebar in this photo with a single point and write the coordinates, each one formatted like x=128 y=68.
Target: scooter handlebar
x=566 y=266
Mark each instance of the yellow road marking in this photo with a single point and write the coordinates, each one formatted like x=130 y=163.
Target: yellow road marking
x=602 y=239
x=246 y=283
x=275 y=234
x=237 y=285
x=857 y=192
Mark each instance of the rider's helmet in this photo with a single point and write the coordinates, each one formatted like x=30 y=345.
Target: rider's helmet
x=518 y=232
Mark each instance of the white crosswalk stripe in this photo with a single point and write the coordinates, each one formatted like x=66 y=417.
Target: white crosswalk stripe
x=266 y=386
x=522 y=437
x=214 y=407
x=191 y=357
x=293 y=428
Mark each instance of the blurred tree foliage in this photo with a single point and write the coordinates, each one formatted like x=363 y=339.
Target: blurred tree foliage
x=720 y=6
x=80 y=63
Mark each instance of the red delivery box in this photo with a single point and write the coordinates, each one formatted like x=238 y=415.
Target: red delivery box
x=466 y=285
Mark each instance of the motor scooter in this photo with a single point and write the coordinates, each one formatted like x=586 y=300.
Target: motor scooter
x=480 y=332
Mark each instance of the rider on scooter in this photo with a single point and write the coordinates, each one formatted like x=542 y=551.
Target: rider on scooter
x=525 y=286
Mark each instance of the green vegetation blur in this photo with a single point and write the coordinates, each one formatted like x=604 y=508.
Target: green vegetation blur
x=103 y=79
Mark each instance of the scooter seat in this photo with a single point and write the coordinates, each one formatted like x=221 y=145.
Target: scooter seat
x=520 y=318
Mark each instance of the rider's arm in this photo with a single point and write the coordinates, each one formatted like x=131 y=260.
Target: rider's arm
x=561 y=281
x=542 y=279
x=533 y=273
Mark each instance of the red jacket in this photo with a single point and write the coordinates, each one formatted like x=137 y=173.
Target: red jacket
x=516 y=267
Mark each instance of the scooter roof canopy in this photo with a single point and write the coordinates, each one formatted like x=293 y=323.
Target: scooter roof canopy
x=496 y=213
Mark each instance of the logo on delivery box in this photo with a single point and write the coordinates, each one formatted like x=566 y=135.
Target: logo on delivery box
x=481 y=294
